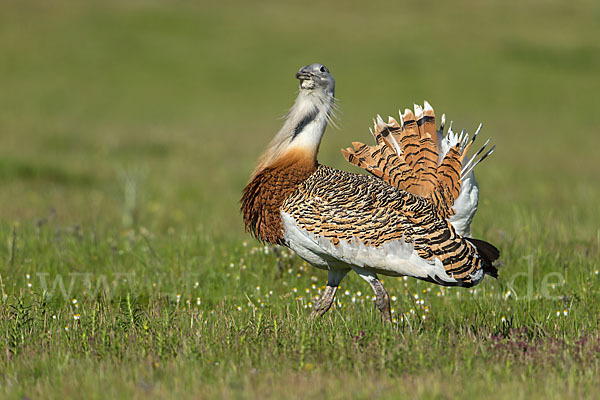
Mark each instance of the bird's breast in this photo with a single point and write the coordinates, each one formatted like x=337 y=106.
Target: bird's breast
x=264 y=195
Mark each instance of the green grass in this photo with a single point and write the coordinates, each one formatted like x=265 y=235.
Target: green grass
x=128 y=129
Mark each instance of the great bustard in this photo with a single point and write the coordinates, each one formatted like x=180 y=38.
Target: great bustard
x=410 y=217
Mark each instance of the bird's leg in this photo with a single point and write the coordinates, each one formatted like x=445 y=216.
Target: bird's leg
x=334 y=277
x=325 y=302
x=277 y=252
x=382 y=299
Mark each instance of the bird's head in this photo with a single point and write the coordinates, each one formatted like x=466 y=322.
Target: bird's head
x=316 y=77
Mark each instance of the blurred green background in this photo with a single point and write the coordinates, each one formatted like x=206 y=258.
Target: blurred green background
x=117 y=113
x=132 y=126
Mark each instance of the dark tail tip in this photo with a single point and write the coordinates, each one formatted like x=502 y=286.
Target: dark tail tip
x=489 y=253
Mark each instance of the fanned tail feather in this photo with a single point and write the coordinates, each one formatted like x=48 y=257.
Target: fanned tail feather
x=413 y=155
x=489 y=254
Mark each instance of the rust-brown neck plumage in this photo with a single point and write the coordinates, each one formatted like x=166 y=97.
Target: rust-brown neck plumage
x=269 y=188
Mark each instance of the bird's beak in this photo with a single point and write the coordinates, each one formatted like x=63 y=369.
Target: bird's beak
x=303 y=74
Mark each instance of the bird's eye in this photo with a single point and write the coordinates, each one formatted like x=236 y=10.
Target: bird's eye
x=323 y=69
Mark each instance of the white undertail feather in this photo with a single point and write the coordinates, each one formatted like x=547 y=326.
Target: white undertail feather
x=465 y=205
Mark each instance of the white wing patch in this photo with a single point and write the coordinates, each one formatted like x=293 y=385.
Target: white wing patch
x=396 y=258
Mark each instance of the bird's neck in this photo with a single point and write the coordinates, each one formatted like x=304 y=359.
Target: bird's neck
x=302 y=131
x=307 y=120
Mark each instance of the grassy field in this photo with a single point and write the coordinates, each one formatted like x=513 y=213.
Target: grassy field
x=129 y=128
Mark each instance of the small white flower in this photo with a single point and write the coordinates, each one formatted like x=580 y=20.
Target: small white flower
x=394 y=298
x=347 y=293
